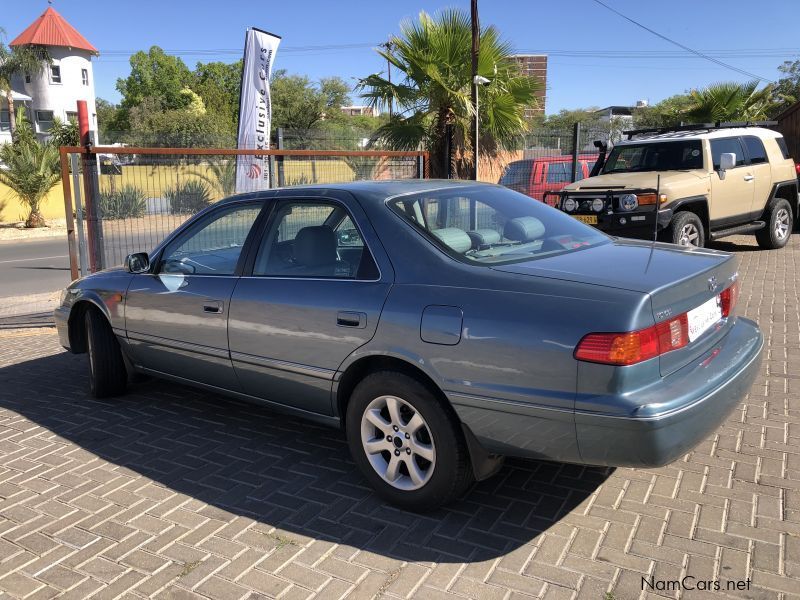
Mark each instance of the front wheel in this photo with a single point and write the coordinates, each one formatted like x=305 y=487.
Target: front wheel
x=686 y=229
x=107 y=373
x=779 y=225
x=405 y=443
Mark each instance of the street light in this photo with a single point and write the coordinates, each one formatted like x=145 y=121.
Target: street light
x=478 y=80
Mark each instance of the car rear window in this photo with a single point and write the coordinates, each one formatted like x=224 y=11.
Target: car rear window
x=783 y=147
x=492 y=225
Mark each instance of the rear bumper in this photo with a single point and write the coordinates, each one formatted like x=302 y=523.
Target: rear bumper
x=61 y=317
x=709 y=388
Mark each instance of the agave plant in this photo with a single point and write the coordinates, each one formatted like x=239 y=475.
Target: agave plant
x=434 y=89
x=188 y=198
x=125 y=203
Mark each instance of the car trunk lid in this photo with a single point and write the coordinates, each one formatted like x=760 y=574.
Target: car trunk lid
x=674 y=286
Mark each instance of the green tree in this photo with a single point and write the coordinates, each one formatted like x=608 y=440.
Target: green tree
x=111 y=121
x=179 y=128
x=32 y=169
x=64 y=134
x=155 y=76
x=566 y=118
x=786 y=90
x=432 y=89
x=730 y=101
x=218 y=85
x=299 y=104
x=14 y=62
x=669 y=112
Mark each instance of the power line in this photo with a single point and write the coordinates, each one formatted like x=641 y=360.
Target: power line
x=687 y=48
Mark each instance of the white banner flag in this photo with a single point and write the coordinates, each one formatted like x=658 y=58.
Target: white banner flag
x=255 y=109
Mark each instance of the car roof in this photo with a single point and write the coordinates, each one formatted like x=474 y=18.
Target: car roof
x=702 y=134
x=384 y=188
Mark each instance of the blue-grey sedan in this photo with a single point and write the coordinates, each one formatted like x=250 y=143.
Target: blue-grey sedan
x=443 y=325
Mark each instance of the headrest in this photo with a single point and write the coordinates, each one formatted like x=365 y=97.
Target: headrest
x=453 y=237
x=315 y=246
x=483 y=237
x=524 y=229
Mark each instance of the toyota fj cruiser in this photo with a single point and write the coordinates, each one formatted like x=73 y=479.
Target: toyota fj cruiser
x=690 y=184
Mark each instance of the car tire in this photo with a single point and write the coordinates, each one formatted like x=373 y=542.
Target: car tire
x=107 y=373
x=779 y=226
x=406 y=443
x=686 y=229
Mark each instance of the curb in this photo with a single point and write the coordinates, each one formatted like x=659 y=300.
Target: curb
x=32 y=304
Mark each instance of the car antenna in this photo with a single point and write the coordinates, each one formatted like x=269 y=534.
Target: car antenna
x=655 y=227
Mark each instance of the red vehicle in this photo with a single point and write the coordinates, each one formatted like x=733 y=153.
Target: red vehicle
x=536 y=176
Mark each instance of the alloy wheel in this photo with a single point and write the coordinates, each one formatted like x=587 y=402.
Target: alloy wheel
x=782 y=224
x=689 y=235
x=398 y=443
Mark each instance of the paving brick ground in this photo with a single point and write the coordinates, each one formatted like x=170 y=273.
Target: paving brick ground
x=173 y=493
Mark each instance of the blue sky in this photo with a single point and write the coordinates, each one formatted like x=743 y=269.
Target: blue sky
x=753 y=37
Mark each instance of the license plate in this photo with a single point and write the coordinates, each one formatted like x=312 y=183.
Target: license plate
x=588 y=219
x=703 y=317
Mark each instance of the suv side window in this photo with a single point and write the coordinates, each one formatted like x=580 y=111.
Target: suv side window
x=724 y=145
x=755 y=148
x=782 y=145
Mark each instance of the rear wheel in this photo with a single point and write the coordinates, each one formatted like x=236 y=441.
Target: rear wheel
x=107 y=374
x=779 y=225
x=686 y=229
x=405 y=443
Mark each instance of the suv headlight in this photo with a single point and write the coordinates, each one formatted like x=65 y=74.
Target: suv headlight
x=570 y=205
x=628 y=202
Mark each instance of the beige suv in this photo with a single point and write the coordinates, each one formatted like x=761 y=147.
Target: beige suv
x=691 y=184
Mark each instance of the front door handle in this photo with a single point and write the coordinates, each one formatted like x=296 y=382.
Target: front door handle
x=748 y=178
x=351 y=319
x=212 y=306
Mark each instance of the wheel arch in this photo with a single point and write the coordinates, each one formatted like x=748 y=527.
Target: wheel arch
x=77 y=332
x=697 y=205
x=787 y=190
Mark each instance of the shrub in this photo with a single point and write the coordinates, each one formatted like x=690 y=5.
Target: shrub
x=128 y=202
x=188 y=198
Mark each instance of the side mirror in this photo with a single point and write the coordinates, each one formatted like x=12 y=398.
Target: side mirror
x=727 y=160
x=137 y=263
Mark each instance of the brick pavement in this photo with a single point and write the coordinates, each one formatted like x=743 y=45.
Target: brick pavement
x=173 y=493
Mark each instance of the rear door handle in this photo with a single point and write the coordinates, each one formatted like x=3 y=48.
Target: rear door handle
x=351 y=319
x=212 y=306
x=748 y=178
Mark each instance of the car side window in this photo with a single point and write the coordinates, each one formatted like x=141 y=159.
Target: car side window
x=213 y=246
x=559 y=172
x=755 y=148
x=313 y=239
x=724 y=145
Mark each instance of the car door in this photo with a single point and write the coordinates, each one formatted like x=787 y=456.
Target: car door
x=176 y=314
x=313 y=295
x=731 y=191
x=762 y=172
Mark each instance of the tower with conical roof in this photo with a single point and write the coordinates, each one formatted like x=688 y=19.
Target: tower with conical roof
x=55 y=91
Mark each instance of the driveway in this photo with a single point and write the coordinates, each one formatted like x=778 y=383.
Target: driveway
x=170 y=492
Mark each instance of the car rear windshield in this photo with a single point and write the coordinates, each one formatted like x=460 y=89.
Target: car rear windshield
x=492 y=225
x=676 y=155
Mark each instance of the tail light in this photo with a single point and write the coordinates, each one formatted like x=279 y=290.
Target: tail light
x=629 y=348
x=797 y=169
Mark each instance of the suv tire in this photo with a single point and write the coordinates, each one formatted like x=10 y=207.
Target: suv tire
x=107 y=373
x=778 y=217
x=686 y=229
x=396 y=425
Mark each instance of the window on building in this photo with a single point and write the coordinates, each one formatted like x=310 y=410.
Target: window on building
x=45 y=120
x=55 y=74
x=85 y=76
x=72 y=116
x=5 y=121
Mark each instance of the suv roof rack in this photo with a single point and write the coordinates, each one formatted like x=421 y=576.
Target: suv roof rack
x=699 y=127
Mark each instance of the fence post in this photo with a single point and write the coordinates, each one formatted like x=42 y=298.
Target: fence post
x=73 y=259
x=76 y=183
x=576 y=140
x=281 y=178
x=92 y=224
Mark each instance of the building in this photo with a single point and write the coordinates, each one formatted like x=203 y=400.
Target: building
x=621 y=115
x=535 y=65
x=355 y=111
x=56 y=90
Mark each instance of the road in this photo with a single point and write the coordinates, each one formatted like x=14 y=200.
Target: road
x=33 y=266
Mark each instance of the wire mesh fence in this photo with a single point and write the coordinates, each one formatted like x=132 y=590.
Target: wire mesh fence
x=126 y=200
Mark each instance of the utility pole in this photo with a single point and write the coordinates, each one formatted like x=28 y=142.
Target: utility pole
x=476 y=29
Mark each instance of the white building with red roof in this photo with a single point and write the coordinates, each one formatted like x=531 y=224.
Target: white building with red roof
x=56 y=90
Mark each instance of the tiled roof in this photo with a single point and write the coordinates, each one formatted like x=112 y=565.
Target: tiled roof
x=51 y=29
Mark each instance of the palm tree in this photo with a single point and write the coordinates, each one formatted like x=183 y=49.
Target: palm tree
x=730 y=101
x=432 y=56
x=16 y=61
x=31 y=169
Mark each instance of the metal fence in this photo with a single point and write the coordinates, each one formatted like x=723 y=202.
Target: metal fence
x=124 y=200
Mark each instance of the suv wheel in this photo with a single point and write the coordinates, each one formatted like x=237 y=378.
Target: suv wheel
x=107 y=374
x=686 y=229
x=779 y=225
x=405 y=443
